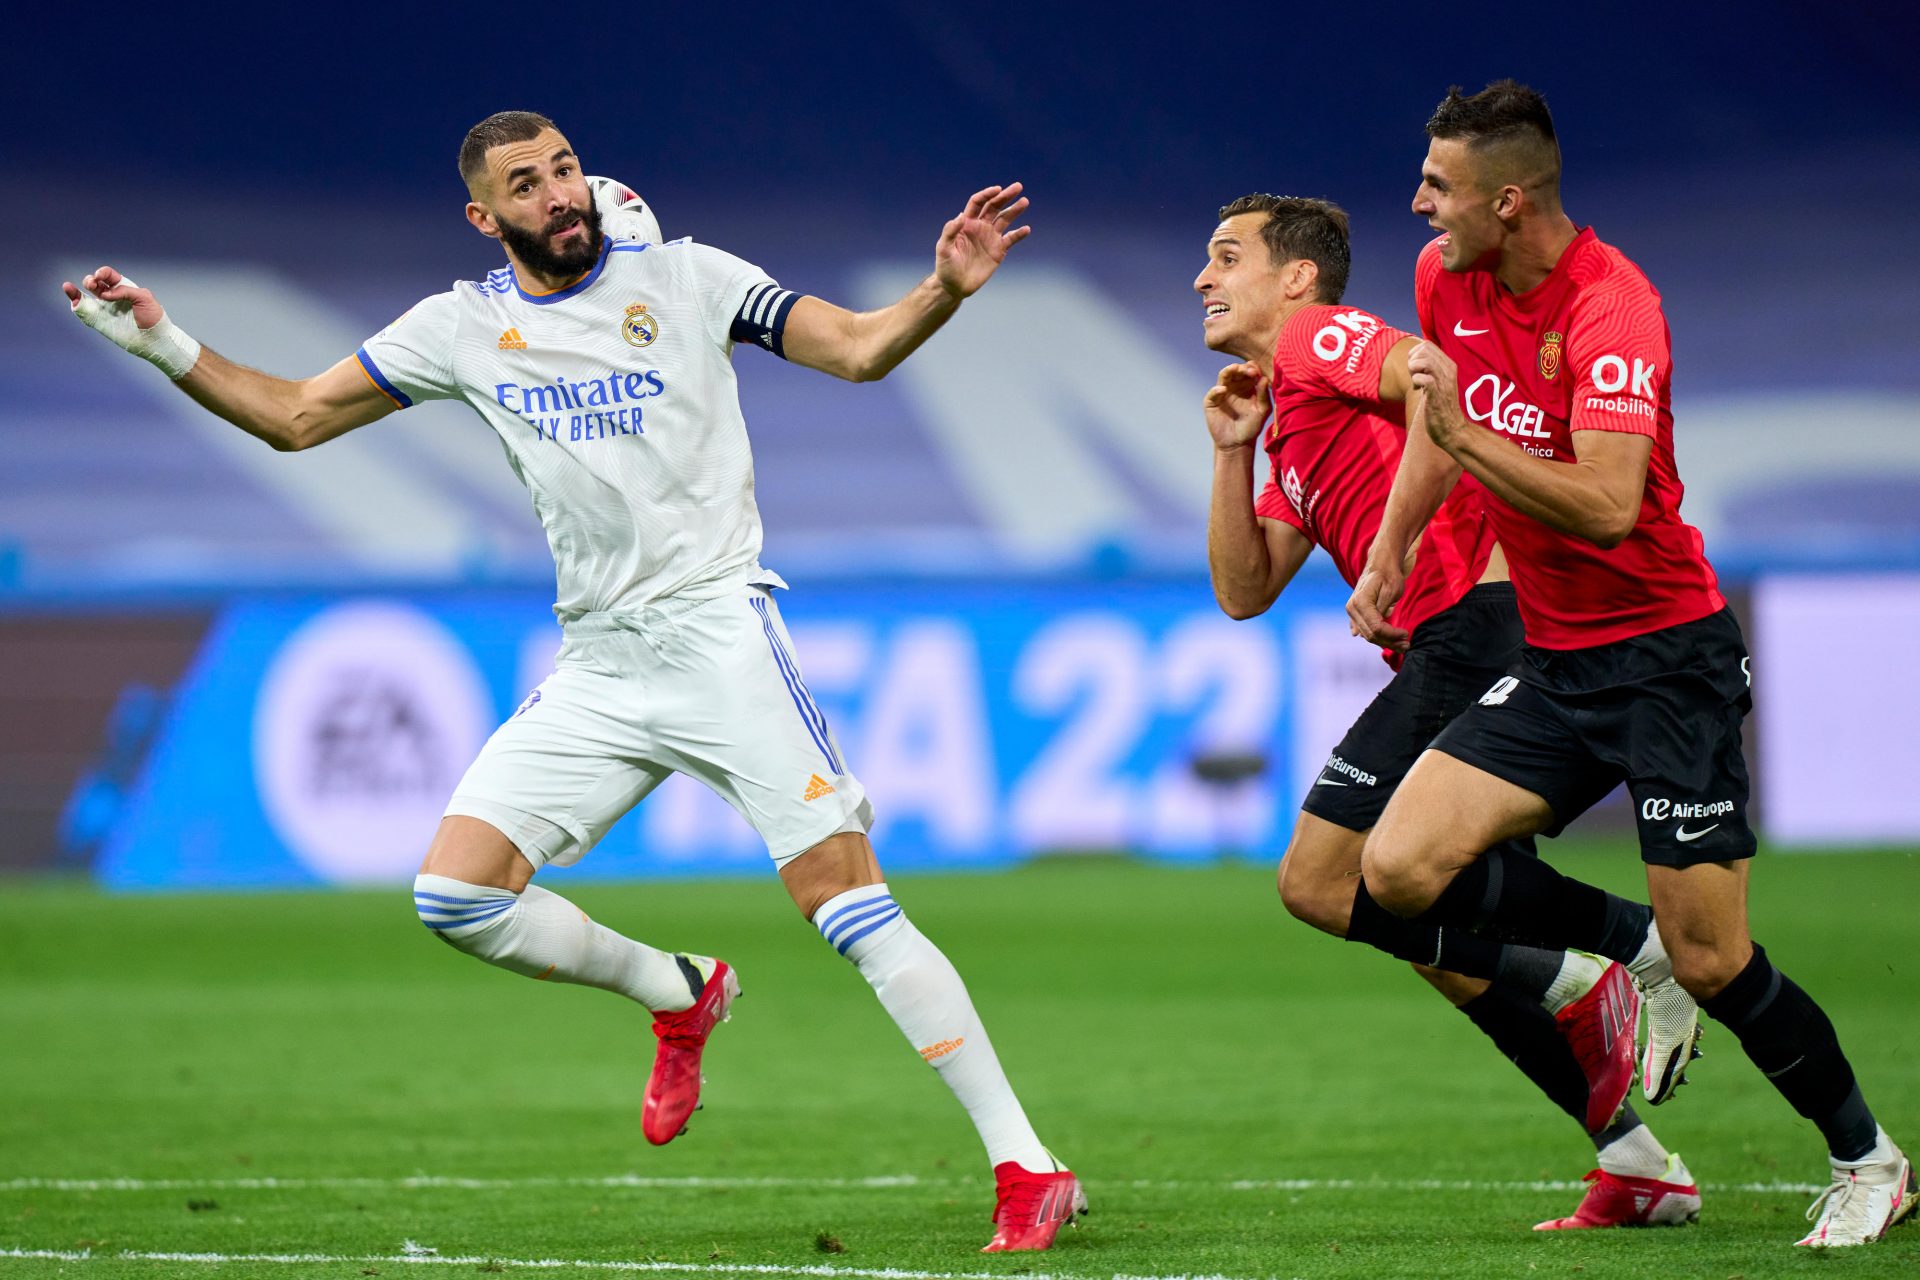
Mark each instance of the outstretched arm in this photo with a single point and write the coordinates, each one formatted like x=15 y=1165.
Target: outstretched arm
x=287 y=414
x=862 y=346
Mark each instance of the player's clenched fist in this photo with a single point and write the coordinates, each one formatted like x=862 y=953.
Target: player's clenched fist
x=1375 y=593
x=1237 y=405
x=132 y=319
x=1434 y=372
x=973 y=245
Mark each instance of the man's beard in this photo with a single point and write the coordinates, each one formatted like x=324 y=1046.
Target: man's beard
x=531 y=247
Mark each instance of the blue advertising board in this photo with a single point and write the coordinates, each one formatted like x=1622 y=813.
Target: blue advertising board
x=317 y=738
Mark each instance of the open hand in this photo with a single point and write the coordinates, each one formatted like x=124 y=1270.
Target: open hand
x=973 y=245
x=1237 y=405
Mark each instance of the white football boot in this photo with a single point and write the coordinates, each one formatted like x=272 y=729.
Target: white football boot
x=1865 y=1198
x=1673 y=1021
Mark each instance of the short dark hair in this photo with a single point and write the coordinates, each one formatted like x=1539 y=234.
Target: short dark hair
x=1301 y=227
x=498 y=128
x=1507 y=123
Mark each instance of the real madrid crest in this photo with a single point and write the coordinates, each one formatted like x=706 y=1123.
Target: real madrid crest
x=640 y=327
x=1550 y=354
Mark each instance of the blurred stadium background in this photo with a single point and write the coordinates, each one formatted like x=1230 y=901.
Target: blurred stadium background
x=223 y=666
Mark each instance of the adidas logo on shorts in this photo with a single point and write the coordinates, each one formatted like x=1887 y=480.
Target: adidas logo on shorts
x=817 y=786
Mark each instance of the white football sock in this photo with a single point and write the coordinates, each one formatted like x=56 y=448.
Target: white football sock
x=1637 y=1154
x=545 y=937
x=1651 y=964
x=1578 y=972
x=920 y=989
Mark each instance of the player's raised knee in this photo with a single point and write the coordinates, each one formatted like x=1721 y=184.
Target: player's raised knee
x=1397 y=877
x=1312 y=899
x=458 y=911
x=1704 y=969
x=1296 y=895
x=1395 y=891
x=1319 y=873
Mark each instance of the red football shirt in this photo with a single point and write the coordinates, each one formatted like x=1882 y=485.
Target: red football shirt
x=1586 y=349
x=1334 y=445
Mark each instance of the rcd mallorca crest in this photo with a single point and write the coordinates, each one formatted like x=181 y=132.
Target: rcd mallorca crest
x=1550 y=354
x=640 y=328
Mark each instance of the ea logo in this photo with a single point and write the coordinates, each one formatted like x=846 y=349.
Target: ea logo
x=639 y=328
x=365 y=721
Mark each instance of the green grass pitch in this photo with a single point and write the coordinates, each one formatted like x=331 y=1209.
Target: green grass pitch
x=279 y=1075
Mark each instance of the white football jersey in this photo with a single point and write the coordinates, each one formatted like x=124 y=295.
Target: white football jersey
x=616 y=400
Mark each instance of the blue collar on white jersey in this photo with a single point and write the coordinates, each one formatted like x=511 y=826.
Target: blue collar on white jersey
x=561 y=295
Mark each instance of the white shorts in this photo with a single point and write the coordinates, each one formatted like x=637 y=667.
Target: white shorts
x=708 y=688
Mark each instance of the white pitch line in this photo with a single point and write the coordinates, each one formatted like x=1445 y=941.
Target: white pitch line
x=635 y=1182
x=431 y=1259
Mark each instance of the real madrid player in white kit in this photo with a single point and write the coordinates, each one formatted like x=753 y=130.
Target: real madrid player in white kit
x=605 y=367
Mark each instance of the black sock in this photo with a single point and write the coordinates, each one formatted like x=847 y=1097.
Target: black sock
x=1528 y=972
x=1625 y=929
x=1530 y=1039
x=1421 y=941
x=1509 y=894
x=1793 y=1043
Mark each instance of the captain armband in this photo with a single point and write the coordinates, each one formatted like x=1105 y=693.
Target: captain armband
x=762 y=318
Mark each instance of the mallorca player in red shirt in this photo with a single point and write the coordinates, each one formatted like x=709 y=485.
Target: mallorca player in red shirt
x=1547 y=374
x=1335 y=380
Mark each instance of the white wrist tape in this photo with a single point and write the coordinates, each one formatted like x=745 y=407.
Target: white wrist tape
x=166 y=345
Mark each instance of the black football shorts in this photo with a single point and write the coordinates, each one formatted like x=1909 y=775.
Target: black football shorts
x=1454 y=656
x=1660 y=712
